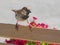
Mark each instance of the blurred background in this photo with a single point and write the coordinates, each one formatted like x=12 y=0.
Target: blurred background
x=47 y=11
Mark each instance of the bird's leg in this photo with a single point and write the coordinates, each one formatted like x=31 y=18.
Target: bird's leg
x=29 y=26
x=16 y=26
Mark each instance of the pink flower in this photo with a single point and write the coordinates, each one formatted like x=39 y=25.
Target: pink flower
x=38 y=24
x=54 y=28
x=37 y=43
x=19 y=42
x=46 y=26
x=8 y=41
x=32 y=23
x=57 y=44
x=34 y=18
x=16 y=41
x=42 y=25
x=51 y=44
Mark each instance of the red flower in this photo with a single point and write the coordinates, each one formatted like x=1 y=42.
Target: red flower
x=51 y=44
x=8 y=41
x=46 y=26
x=19 y=42
x=57 y=44
x=34 y=18
x=16 y=41
x=42 y=25
x=37 y=43
x=38 y=24
x=32 y=23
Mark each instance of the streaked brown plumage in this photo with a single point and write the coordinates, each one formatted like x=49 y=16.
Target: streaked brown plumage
x=21 y=15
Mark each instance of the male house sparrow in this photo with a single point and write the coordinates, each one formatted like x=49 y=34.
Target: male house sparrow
x=21 y=15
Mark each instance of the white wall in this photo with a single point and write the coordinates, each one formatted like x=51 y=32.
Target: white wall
x=47 y=11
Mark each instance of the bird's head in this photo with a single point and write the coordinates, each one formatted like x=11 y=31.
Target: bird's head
x=23 y=11
x=26 y=9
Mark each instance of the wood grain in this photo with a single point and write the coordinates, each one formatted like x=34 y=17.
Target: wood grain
x=48 y=35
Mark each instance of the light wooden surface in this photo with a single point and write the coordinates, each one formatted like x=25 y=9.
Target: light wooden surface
x=48 y=35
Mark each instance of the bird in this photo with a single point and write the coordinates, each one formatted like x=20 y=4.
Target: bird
x=22 y=15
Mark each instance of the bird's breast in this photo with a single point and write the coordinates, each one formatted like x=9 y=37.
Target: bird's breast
x=20 y=18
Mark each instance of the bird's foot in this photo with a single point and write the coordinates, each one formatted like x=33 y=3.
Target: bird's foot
x=17 y=27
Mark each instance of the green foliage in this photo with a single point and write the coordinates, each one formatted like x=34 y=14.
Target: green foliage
x=43 y=43
x=30 y=43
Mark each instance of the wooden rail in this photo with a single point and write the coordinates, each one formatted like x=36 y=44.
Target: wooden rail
x=5 y=44
x=47 y=35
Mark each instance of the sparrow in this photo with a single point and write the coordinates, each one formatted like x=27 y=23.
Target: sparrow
x=22 y=15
